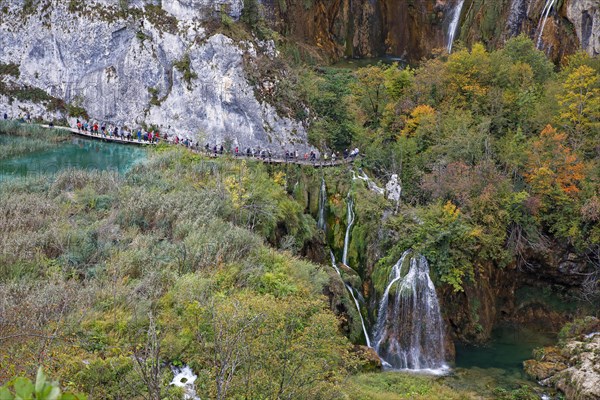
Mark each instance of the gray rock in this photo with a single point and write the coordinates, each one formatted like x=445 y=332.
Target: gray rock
x=585 y=16
x=121 y=70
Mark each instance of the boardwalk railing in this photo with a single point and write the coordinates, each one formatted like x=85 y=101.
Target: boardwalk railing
x=273 y=159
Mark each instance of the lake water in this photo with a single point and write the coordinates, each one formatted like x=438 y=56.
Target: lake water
x=77 y=153
x=498 y=365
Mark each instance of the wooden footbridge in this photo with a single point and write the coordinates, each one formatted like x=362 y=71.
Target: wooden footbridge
x=273 y=159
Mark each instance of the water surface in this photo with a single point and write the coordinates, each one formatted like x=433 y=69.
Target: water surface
x=77 y=153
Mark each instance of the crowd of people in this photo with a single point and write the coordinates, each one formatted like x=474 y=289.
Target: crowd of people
x=153 y=136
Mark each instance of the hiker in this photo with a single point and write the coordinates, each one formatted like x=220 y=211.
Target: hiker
x=207 y=147
x=5 y=116
x=215 y=150
x=333 y=157
x=345 y=154
x=236 y=151
x=248 y=152
x=150 y=137
x=221 y=150
x=139 y=135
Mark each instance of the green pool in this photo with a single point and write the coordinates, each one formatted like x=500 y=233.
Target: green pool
x=21 y=160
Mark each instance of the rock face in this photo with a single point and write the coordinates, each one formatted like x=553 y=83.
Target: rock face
x=143 y=65
x=585 y=16
x=574 y=367
x=414 y=29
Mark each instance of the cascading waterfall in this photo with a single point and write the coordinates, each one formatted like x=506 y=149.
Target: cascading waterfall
x=543 y=19
x=370 y=184
x=349 y=223
x=409 y=333
x=185 y=379
x=351 y=291
x=321 y=224
x=454 y=24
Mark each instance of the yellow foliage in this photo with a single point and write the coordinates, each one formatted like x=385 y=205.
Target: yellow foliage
x=279 y=178
x=451 y=212
x=418 y=115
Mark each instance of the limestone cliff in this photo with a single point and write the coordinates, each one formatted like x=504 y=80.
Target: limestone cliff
x=136 y=63
x=413 y=29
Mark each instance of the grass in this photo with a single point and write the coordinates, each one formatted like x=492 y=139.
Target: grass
x=30 y=131
x=399 y=386
x=19 y=148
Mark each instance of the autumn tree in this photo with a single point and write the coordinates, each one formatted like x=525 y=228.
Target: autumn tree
x=552 y=165
x=369 y=93
x=580 y=108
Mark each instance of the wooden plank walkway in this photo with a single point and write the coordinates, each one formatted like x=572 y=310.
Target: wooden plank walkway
x=277 y=159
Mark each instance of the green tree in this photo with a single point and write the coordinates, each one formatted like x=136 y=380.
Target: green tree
x=580 y=108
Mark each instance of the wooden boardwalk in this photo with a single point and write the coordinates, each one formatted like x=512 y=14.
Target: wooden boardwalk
x=276 y=159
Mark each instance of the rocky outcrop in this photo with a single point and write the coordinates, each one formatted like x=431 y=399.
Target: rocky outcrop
x=369 y=360
x=574 y=367
x=585 y=16
x=143 y=65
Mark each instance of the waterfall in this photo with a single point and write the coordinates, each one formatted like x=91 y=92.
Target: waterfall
x=356 y=303
x=518 y=12
x=185 y=378
x=321 y=224
x=370 y=184
x=543 y=19
x=409 y=333
x=454 y=24
x=349 y=223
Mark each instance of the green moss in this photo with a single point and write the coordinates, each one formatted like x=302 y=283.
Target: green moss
x=161 y=19
x=184 y=66
x=11 y=69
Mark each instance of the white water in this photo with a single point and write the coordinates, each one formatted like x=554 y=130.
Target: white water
x=543 y=19
x=322 y=202
x=370 y=184
x=185 y=378
x=454 y=25
x=349 y=288
x=516 y=16
x=349 y=223
x=409 y=334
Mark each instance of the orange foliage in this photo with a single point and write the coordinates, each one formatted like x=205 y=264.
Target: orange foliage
x=552 y=163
